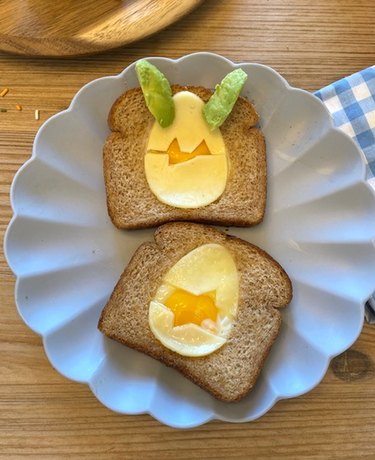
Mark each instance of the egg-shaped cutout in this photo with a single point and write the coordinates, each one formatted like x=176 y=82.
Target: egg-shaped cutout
x=186 y=164
x=196 y=304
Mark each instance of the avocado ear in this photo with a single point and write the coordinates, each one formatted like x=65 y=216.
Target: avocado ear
x=157 y=92
x=221 y=103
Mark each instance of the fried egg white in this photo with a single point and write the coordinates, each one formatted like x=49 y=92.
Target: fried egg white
x=186 y=164
x=194 y=308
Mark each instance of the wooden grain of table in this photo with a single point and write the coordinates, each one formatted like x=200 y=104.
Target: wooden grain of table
x=43 y=415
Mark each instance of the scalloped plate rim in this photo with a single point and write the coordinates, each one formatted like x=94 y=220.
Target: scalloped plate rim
x=120 y=76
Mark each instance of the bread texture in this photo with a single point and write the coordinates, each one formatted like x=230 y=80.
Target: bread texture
x=131 y=204
x=230 y=372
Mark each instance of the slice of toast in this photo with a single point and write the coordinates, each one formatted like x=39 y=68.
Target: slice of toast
x=131 y=203
x=230 y=372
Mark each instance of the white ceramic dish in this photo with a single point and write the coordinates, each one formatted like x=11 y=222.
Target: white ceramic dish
x=67 y=255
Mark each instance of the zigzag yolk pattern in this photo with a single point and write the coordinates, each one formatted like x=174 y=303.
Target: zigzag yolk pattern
x=176 y=155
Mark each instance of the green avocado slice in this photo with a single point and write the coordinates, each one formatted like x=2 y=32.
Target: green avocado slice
x=157 y=92
x=221 y=103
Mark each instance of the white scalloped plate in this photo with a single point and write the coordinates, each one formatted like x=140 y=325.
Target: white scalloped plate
x=67 y=255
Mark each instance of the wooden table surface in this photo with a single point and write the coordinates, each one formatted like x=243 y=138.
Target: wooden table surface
x=43 y=415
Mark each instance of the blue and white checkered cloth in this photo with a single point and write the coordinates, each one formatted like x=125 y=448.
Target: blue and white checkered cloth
x=351 y=102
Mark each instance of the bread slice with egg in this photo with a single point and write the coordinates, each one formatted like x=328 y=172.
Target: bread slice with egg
x=231 y=371
x=130 y=201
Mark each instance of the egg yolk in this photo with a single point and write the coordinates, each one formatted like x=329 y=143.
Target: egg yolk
x=176 y=155
x=190 y=308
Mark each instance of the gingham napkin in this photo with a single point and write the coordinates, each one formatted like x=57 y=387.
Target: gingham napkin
x=351 y=102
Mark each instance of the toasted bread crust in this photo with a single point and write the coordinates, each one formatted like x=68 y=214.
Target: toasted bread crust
x=230 y=372
x=130 y=202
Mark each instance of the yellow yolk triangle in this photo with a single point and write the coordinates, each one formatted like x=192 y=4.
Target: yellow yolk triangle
x=190 y=308
x=177 y=156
